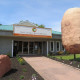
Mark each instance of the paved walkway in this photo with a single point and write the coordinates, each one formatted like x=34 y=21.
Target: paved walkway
x=53 y=70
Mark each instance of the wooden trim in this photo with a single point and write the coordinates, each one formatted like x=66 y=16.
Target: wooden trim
x=53 y=46
x=30 y=35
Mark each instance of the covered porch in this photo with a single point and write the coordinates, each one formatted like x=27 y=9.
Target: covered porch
x=29 y=47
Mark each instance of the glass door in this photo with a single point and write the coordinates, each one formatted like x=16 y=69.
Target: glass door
x=37 y=47
x=25 y=47
x=31 y=47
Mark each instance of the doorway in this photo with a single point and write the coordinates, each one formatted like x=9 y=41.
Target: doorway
x=33 y=48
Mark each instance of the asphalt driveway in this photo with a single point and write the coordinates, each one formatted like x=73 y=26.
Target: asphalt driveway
x=53 y=70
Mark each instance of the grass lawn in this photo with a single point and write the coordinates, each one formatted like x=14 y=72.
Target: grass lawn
x=68 y=57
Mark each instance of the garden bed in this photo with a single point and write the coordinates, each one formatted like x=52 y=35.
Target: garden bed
x=67 y=59
x=19 y=71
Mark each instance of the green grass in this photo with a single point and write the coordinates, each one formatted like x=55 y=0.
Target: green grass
x=68 y=57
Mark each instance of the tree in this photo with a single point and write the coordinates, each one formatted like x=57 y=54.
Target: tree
x=36 y=24
x=41 y=26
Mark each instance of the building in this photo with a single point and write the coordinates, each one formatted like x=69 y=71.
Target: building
x=26 y=38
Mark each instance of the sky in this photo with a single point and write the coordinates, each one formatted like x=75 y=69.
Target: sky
x=46 y=12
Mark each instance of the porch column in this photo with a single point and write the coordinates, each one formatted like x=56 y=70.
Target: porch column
x=28 y=47
x=47 y=48
x=22 y=47
x=42 y=47
x=12 y=48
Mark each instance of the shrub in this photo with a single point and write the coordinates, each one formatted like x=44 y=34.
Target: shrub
x=21 y=77
x=51 y=53
x=34 y=77
x=48 y=55
x=60 y=52
x=8 y=54
x=66 y=52
x=21 y=61
x=24 y=70
x=10 y=79
x=17 y=57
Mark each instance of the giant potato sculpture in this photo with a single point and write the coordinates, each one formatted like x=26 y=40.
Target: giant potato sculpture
x=70 y=27
x=5 y=64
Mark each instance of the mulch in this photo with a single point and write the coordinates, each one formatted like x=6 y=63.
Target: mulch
x=16 y=72
x=74 y=63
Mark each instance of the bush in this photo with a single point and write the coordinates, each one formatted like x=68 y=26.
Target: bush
x=17 y=57
x=24 y=70
x=60 y=52
x=21 y=77
x=67 y=52
x=48 y=55
x=51 y=54
x=34 y=77
x=8 y=54
x=21 y=61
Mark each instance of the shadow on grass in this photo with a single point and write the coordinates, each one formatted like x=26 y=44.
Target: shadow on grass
x=10 y=72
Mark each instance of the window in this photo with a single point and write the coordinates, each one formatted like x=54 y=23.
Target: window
x=58 y=46
x=63 y=48
x=52 y=46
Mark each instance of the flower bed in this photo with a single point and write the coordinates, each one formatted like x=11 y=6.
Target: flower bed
x=21 y=72
x=69 y=61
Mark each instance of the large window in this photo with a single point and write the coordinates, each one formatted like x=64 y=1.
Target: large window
x=52 y=46
x=57 y=45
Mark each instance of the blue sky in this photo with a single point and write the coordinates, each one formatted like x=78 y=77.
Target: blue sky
x=47 y=12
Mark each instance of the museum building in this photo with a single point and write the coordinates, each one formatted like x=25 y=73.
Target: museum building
x=25 y=38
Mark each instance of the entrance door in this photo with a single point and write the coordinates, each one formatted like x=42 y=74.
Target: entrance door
x=38 y=47
x=21 y=47
x=15 y=51
x=25 y=47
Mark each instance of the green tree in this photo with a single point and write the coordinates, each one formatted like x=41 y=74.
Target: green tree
x=41 y=26
x=36 y=24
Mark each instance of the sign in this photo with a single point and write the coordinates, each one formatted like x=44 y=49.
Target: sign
x=32 y=31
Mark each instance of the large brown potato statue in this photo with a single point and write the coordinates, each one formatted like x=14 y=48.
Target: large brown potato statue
x=5 y=65
x=70 y=27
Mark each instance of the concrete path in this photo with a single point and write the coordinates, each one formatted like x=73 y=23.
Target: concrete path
x=53 y=70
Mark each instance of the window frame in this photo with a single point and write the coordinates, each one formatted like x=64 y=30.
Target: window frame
x=56 y=46
x=61 y=47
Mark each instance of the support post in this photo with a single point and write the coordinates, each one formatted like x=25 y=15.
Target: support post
x=28 y=47
x=74 y=56
x=22 y=47
x=12 y=48
x=42 y=48
x=47 y=48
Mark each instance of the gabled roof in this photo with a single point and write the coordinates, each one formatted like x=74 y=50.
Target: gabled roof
x=10 y=28
x=28 y=23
